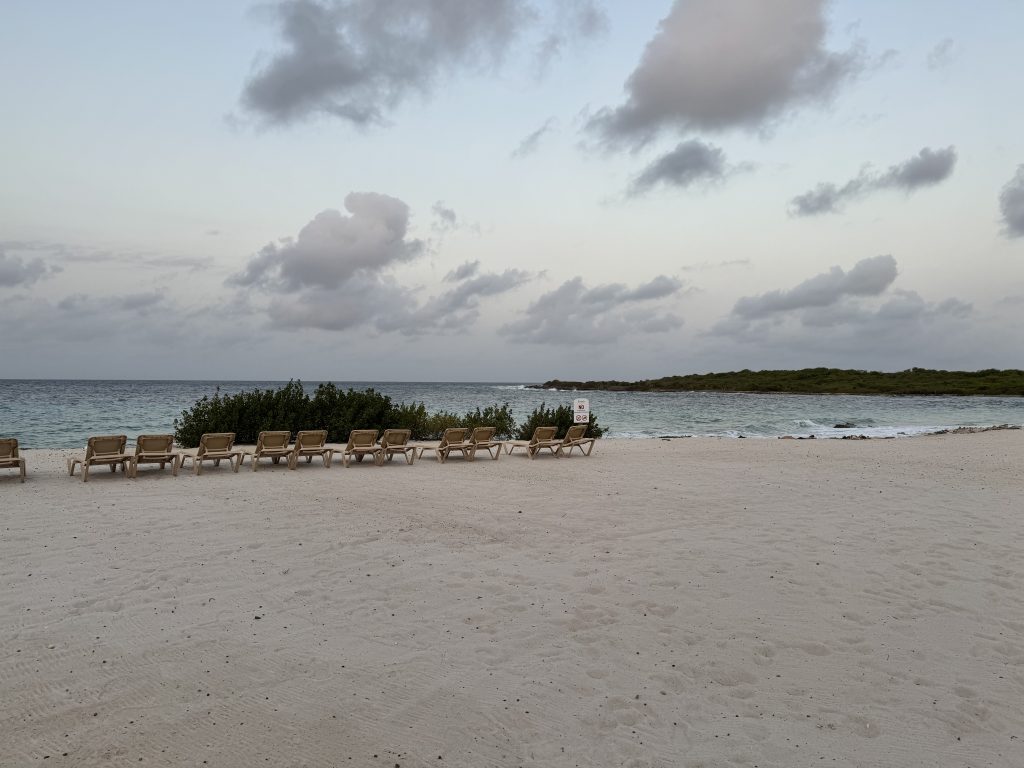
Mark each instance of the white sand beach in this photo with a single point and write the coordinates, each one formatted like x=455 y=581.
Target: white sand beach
x=695 y=602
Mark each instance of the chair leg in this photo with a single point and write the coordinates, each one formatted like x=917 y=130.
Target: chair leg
x=85 y=472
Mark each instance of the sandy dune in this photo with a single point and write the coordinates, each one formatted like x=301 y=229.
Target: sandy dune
x=689 y=603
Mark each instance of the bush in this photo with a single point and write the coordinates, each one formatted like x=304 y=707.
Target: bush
x=561 y=417
x=336 y=410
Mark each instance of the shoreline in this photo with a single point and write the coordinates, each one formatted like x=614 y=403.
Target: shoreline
x=855 y=433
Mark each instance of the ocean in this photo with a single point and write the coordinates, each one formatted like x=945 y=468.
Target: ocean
x=62 y=414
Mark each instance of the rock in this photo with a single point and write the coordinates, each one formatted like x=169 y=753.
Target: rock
x=845 y=425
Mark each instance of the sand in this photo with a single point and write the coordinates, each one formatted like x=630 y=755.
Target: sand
x=697 y=602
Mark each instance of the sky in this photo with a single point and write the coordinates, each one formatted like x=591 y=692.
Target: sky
x=510 y=190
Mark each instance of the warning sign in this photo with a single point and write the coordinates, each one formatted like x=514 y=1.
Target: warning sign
x=581 y=411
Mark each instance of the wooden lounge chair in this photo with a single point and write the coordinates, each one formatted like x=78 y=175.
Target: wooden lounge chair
x=310 y=443
x=543 y=437
x=270 y=445
x=574 y=438
x=9 y=458
x=362 y=442
x=105 y=449
x=454 y=439
x=214 y=446
x=483 y=439
x=155 y=449
x=397 y=441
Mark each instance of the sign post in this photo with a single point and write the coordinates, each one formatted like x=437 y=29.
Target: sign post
x=581 y=411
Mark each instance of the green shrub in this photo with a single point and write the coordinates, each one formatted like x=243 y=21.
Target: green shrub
x=561 y=417
x=336 y=410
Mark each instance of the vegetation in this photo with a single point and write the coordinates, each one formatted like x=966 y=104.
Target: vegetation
x=915 y=381
x=340 y=411
x=561 y=417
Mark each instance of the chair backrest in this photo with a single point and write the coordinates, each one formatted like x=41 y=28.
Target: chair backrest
x=310 y=438
x=8 y=448
x=275 y=440
x=361 y=438
x=394 y=437
x=543 y=434
x=483 y=435
x=575 y=432
x=105 y=445
x=154 y=444
x=454 y=435
x=216 y=442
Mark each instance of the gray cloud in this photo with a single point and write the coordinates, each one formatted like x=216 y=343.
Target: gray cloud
x=456 y=308
x=868 y=277
x=574 y=314
x=573 y=19
x=463 y=271
x=444 y=217
x=75 y=254
x=927 y=168
x=358 y=59
x=333 y=247
x=719 y=64
x=691 y=162
x=380 y=303
x=530 y=144
x=21 y=272
x=942 y=55
x=1011 y=204
x=837 y=316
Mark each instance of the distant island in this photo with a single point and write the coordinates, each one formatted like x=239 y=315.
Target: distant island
x=833 y=381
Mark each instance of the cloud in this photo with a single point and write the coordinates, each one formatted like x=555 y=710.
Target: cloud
x=463 y=271
x=573 y=19
x=942 y=55
x=927 y=168
x=457 y=308
x=530 y=144
x=868 y=277
x=1011 y=205
x=444 y=217
x=358 y=59
x=574 y=314
x=382 y=304
x=333 y=247
x=691 y=162
x=16 y=271
x=838 y=316
x=719 y=64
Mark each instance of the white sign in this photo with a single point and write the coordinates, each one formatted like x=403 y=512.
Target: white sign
x=581 y=411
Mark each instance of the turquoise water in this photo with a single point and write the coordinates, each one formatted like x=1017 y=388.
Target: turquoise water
x=62 y=414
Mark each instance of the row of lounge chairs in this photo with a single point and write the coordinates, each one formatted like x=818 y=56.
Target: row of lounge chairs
x=216 y=447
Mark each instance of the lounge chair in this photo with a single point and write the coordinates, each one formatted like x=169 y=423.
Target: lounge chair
x=454 y=439
x=574 y=438
x=397 y=441
x=105 y=449
x=214 y=446
x=310 y=443
x=543 y=437
x=9 y=458
x=155 y=449
x=270 y=445
x=362 y=442
x=483 y=439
